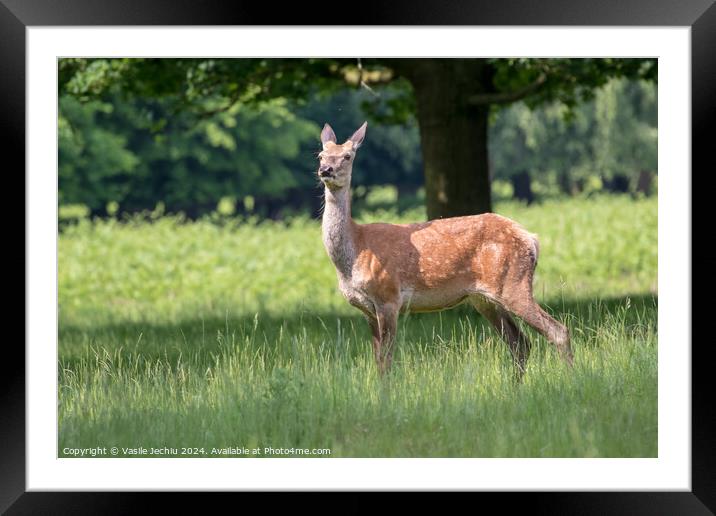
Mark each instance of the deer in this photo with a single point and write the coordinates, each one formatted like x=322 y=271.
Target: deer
x=383 y=270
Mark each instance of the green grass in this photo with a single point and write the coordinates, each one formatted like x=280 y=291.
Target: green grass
x=215 y=335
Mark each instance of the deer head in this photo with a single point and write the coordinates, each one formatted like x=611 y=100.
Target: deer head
x=336 y=161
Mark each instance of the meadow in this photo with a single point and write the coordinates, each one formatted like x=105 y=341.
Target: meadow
x=228 y=333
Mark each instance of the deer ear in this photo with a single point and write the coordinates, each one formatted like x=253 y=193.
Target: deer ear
x=327 y=135
x=359 y=136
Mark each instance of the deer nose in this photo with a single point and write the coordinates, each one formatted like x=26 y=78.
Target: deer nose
x=325 y=170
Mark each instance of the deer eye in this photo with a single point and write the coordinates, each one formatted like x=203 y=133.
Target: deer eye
x=347 y=157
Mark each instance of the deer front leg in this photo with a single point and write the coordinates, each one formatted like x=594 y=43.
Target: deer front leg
x=383 y=327
x=375 y=332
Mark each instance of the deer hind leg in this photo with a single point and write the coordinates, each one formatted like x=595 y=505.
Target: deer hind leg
x=517 y=341
x=383 y=328
x=527 y=309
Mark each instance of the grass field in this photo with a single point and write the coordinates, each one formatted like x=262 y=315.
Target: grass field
x=207 y=336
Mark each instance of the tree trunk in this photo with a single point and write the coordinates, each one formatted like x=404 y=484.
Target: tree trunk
x=453 y=133
x=618 y=184
x=644 y=182
x=522 y=186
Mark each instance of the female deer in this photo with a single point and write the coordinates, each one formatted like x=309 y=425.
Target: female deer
x=386 y=269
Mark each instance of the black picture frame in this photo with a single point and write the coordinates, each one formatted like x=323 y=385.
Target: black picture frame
x=700 y=15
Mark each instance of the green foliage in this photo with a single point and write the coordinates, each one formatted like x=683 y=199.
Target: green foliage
x=190 y=82
x=125 y=152
x=136 y=154
x=191 y=132
x=579 y=149
x=568 y=81
x=626 y=116
x=93 y=161
x=175 y=333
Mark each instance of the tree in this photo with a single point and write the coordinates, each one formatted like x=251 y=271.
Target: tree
x=130 y=153
x=127 y=152
x=609 y=141
x=452 y=98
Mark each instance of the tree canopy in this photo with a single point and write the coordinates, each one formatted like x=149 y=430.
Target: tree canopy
x=175 y=123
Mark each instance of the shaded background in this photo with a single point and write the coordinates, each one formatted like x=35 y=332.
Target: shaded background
x=239 y=136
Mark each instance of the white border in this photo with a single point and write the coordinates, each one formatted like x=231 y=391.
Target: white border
x=670 y=471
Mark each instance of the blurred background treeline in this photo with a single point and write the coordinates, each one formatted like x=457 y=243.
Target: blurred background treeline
x=240 y=136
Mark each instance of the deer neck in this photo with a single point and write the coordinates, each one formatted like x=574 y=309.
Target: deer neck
x=339 y=230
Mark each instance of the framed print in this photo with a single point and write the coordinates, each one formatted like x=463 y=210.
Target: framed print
x=288 y=384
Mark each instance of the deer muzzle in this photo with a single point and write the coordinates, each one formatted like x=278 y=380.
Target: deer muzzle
x=325 y=171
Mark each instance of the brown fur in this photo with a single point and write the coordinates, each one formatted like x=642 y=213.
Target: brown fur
x=385 y=269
